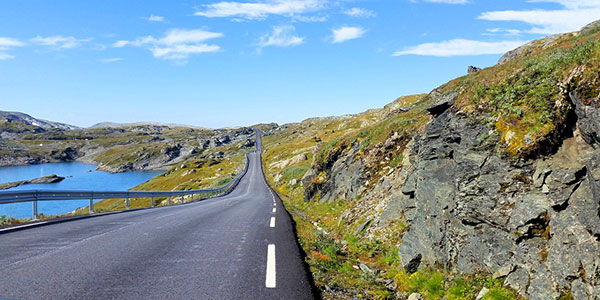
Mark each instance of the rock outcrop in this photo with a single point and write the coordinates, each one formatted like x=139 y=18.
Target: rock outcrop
x=46 y=179
x=473 y=211
x=473 y=69
x=532 y=220
x=535 y=223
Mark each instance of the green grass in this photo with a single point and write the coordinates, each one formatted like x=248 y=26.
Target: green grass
x=295 y=172
x=525 y=99
x=196 y=174
x=396 y=161
x=221 y=182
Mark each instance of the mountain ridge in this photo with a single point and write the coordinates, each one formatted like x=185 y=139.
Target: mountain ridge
x=29 y=120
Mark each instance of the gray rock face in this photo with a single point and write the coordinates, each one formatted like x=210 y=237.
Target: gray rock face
x=536 y=224
x=443 y=103
x=68 y=154
x=588 y=118
x=472 y=69
x=343 y=177
x=172 y=151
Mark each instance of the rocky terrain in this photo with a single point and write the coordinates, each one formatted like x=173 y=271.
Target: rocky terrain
x=46 y=179
x=115 y=148
x=489 y=183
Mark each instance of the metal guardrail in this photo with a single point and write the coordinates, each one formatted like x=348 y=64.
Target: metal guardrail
x=51 y=195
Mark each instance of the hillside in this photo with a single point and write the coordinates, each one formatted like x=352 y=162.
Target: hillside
x=192 y=158
x=116 y=148
x=16 y=122
x=486 y=185
x=213 y=168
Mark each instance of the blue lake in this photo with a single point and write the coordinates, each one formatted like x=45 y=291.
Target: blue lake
x=79 y=176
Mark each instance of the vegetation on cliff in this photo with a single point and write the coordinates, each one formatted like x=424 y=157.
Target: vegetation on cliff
x=350 y=183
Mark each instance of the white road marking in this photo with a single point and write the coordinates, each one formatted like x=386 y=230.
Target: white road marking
x=274 y=209
x=270 y=282
x=272 y=222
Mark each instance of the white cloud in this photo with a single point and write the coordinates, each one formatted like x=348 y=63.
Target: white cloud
x=576 y=14
x=496 y=31
x=445 y=1
x=121 y=44
x=182 y=51
x=347 y=33
x=460 y=47
x=59 y=42
x=260 y=10
x=109 y=60
x=573 y=4
x=4 y=56
x=153 y=18
x=176 y=44
x=281 y=36
x=359 y=12
x=7 y=43
x=309 y=19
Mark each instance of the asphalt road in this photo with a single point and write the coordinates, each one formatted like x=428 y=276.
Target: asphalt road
x=213 y=249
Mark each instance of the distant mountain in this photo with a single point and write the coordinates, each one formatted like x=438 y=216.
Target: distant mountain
x=29 y=120
x=115 y=125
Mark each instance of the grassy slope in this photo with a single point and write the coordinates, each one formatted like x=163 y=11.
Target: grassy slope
x=194 y=173
x=525 y=100
x=334 y=252
x=526 y=105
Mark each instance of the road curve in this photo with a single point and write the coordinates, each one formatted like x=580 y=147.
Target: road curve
x=213 y=249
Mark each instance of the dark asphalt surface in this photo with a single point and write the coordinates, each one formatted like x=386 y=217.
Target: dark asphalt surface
x=213 y=249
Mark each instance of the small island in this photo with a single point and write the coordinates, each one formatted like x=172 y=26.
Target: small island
x=46 y=179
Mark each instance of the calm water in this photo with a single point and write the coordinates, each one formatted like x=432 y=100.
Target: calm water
x=79 y=176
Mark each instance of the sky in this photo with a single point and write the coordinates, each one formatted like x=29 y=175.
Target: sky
x=236 y=63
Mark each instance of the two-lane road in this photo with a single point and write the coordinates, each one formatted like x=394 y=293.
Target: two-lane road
x=240 y=246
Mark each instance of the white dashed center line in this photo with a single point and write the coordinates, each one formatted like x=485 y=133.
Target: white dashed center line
x=272 y=222
x=274 y=209
x=270 y=282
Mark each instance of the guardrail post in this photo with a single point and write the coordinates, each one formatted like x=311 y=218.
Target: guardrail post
x=127 y=203
x=35 y=210
x=169 y=200
x=152 y=201
x=91 y=206
x=182 y=199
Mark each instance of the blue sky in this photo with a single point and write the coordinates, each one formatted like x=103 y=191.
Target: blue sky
x=227 y=63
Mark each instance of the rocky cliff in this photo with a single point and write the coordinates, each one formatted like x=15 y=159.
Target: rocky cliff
x=502 y=178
